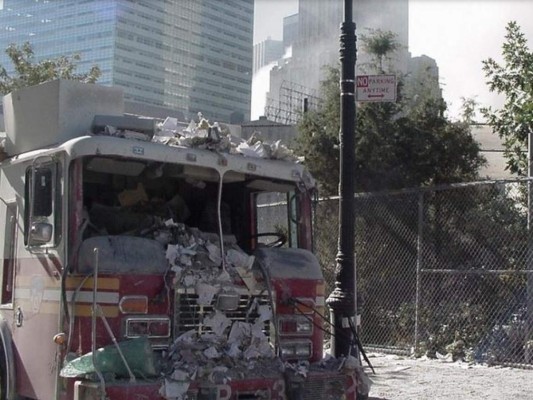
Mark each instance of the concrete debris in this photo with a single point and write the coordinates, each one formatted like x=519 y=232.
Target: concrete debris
x=204 y=135
x=218 y=374
x=174 y=390
x=299 y=369
x=3 y=153
x=125 y=133
x=211 y=352
x=222 y=349
x=220 y=358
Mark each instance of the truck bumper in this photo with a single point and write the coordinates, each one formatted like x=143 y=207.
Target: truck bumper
x=316 y=386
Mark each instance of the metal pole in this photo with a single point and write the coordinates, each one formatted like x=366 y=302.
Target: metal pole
x=93 y=326
x=343 y=299
x=419 y=261
x=529 y=260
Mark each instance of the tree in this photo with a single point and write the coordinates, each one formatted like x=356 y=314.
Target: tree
x=514 y=79
x=397 y=146
x=379 y=45
x=468 y=109
x=28 y=72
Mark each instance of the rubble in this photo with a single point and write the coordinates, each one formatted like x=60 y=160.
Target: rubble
x=203 y=135
x=228 y=349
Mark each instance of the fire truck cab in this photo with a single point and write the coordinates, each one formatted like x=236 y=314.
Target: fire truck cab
x=142 y=265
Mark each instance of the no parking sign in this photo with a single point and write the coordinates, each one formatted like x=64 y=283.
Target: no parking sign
x=376 y=88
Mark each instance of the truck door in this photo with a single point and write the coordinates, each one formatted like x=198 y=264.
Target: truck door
x=10 y=222
x=39 y=264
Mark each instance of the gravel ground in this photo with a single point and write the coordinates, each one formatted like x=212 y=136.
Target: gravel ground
x=403 y=378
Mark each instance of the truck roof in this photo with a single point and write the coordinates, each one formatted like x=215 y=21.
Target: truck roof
x=233 y=167
x=77 y=118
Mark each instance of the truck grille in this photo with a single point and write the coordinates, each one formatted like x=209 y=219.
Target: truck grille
x=188 y=315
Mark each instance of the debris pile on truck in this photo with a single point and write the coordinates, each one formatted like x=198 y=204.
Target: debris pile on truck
x=201 y=135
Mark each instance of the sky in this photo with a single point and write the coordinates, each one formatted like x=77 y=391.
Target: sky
x=458 y=34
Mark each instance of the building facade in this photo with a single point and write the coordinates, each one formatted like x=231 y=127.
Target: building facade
x=184 y=55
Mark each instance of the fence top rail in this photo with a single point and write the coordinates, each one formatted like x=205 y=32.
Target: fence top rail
x=476 y=271
x=433 y=188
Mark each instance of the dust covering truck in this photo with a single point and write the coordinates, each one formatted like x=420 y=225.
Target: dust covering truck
x=147 y=260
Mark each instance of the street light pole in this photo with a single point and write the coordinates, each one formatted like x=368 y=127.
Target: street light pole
x=342 y=300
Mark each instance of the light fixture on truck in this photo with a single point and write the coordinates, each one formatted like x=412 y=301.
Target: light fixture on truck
x=295 y=325
x=153 y=327
x=291 y=350
x=133 y=305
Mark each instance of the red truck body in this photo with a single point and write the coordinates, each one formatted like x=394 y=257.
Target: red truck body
x=138 y=268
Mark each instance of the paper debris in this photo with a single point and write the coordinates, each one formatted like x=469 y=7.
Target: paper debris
x=205 y=293
x=256 y=151
x=265 y=313
x=179 y=375
x=239 y=259
x=218 y=322
x=211 y=352
x=214 y=253
x=239 y=330
x=173 y=390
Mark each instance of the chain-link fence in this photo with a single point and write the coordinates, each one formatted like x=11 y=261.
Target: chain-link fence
x=442 y=270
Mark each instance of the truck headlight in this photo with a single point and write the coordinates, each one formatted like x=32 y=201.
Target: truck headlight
x=291 y=350
x=295 y=325
x=153 y=327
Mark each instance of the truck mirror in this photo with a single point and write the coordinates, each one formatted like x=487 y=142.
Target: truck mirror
x=42 y=198
x=293 y=213
x=41 y=232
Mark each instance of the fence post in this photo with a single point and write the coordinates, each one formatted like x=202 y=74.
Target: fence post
x=529 y=260
x=419 y=238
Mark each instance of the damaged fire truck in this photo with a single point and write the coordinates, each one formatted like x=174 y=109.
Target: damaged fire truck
x=139 y=261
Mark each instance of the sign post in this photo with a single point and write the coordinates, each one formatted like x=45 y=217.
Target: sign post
x=342 y=301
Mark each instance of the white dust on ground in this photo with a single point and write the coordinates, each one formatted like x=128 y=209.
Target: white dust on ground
x=403 y=378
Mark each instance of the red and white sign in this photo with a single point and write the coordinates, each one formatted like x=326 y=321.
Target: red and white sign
x=376 y=88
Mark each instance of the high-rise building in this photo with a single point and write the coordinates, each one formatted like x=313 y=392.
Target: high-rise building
x=266 y=52
x=184 y=55
x=290 y=30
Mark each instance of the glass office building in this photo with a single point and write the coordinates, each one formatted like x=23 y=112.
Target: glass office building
x=185 y=55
